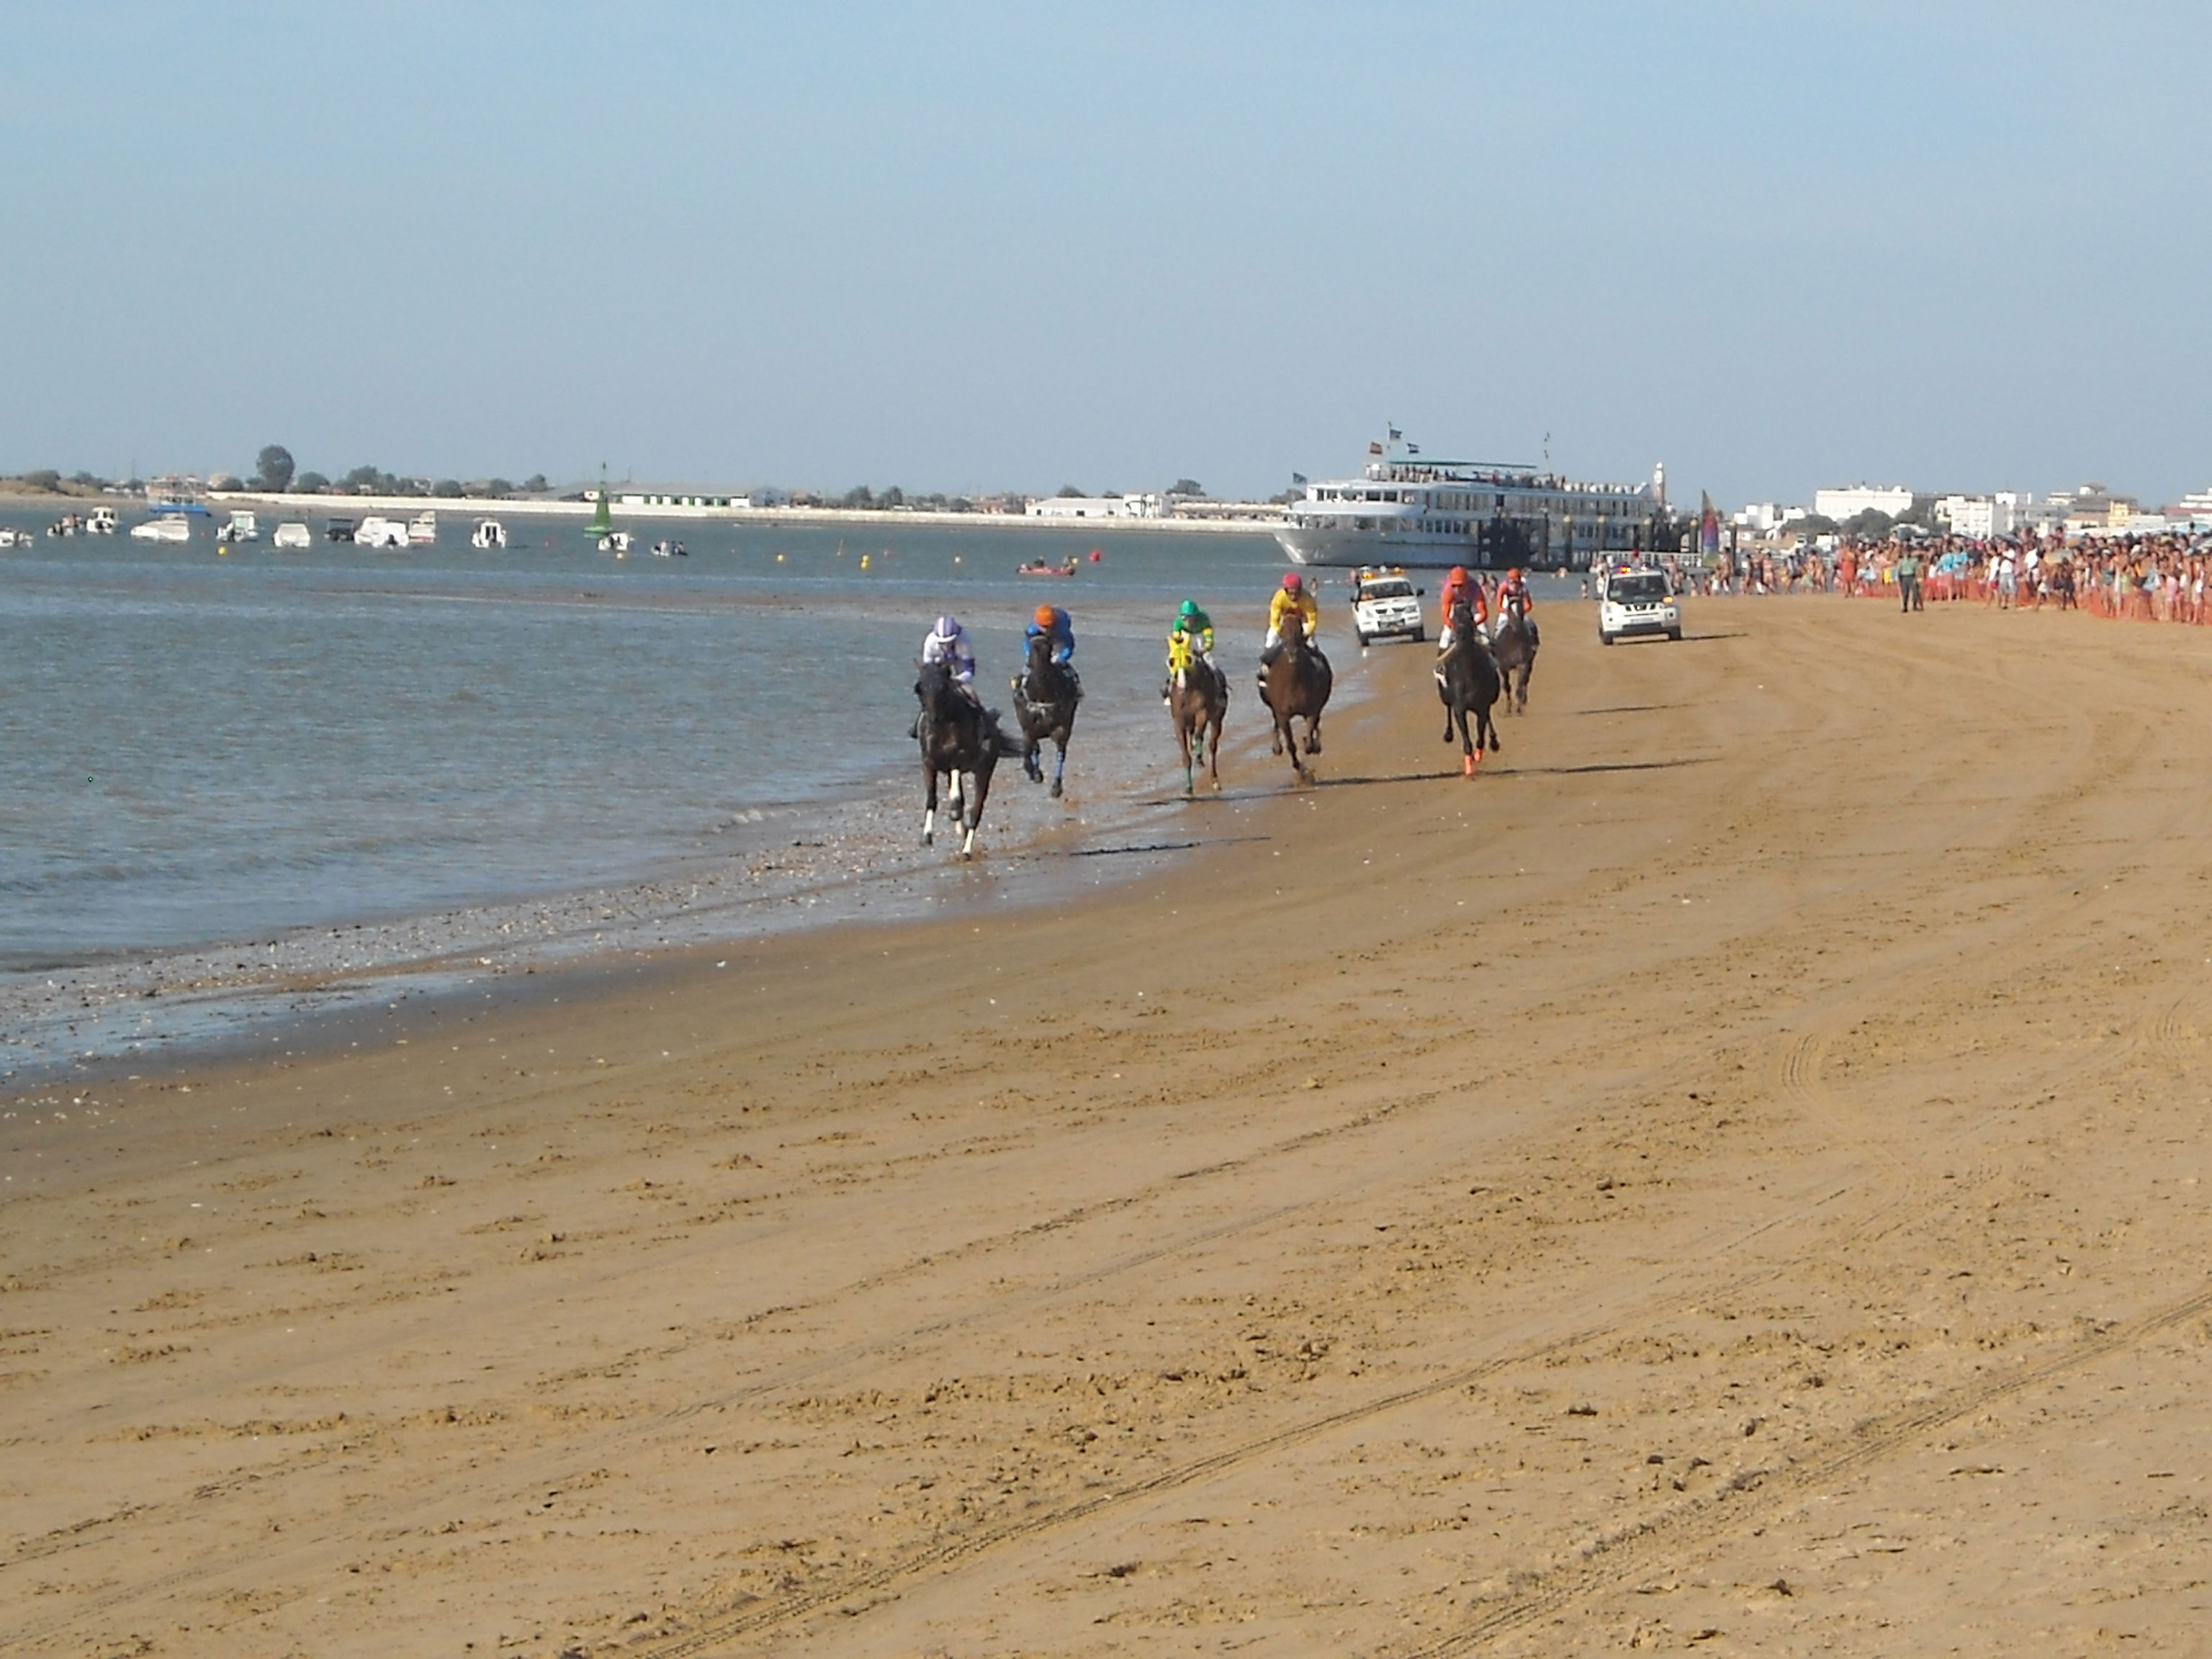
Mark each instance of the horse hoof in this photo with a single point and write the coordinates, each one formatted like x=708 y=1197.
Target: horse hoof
x=1467 y=766
x=1055 y=788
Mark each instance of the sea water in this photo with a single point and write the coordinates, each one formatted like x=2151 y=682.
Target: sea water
x=201 y=746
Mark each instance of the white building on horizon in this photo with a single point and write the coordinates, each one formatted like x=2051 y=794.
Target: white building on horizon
x=1849 y=502
x=1095 y=507
x=1983 y=517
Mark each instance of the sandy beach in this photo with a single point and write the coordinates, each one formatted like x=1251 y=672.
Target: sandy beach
x=1729 y=1177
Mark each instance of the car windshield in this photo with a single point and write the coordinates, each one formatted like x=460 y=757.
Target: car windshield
x=1636 y=590
x=1394 y=589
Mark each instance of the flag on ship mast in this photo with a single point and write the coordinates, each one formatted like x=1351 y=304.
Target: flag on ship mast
x=1374 y=449
x=1709 y=524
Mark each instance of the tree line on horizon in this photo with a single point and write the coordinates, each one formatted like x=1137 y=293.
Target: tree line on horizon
x=275 y=473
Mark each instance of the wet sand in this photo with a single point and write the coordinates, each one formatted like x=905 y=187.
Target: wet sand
x=1729 y=1177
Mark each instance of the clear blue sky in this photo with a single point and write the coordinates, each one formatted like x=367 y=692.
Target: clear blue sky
x=974 y=247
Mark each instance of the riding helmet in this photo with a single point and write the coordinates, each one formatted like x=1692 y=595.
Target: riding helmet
x=1459 y=573
x=1291 y=582
x=1188 y=608
x=1044 y=615
x=947 y=626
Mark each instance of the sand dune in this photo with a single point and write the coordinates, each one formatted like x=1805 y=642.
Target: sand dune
x=1726 y=1177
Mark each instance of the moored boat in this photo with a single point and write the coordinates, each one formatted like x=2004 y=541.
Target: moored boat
x=381 y=534
x=292 y=534
x=339 y=529
x=489 y=533
x=1411 y=510
x=423 y=530
x=166 y=527
x=1040 y=567
x=242 y=527
x=101 y=522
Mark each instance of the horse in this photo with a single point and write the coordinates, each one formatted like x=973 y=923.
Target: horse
x=1468 y=680
x=1514 y=647
x=1296 y=686
x=963 y=742
x=1045 y=695
x=1197 y=701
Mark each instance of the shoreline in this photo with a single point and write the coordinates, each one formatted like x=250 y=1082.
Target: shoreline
x=848 y=855
x=754 y=517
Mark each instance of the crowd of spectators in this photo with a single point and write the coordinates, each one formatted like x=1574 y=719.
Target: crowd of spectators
x=2148 y=579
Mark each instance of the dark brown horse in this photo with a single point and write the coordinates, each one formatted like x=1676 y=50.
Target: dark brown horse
x=1296 y=686
x=1198 y=701
x=961 y=741
x=1045 y=695
x=1514 y=645
x=1468 y=681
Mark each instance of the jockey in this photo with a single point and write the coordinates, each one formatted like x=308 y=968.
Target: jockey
x=1459 y=587
x=1190 y=638
x=1292 y=596
x=947 y=643
x=1051 y=623
x=1513 y=597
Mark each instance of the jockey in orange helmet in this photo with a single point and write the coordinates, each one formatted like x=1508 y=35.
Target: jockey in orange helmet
x=1514 y=600
x=1053 y=624
x=1459 y=587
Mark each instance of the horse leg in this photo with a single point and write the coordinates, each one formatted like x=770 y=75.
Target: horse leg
x=1060 y=761
x=1313 y=733
x=979 y=787
x=1212 y=746
x=929 y=809
x=1287 y=739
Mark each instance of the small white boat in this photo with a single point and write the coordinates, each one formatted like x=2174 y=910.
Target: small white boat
x=14 y=537
x=615 y=542
x=169 y=527
x=423 y=530
x=294 y=534
x=489 y=533
x=383 y=534
x=102 y=523
x=242 y=527
x=670 y=551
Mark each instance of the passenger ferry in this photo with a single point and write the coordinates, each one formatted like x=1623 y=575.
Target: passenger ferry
x=1412 y=510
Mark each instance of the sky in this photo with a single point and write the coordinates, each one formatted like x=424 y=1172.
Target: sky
x=970 y=248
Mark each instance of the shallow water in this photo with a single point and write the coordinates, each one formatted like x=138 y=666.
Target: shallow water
x=198 y=746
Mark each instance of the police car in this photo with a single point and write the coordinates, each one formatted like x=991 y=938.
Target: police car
x=1636 y=601
x=1385 y=605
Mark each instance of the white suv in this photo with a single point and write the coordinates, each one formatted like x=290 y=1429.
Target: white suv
x=1385 y=605
x=1634 y=602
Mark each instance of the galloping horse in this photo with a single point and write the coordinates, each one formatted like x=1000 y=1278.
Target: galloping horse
x=1514 y=645
x=1468 y=681
x=1045 y=695
x=1296 y=686
x=959 y=741
x=1198 y=701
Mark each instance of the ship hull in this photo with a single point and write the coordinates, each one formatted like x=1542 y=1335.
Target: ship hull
x=1336 y=549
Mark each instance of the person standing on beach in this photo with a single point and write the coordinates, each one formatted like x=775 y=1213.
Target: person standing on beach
x=1908 y=581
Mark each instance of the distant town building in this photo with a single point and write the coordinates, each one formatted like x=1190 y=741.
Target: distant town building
x=1760 y=517
x=1848 y=503
x=1981 y=517
x=667 y=496
x=1096 y=506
